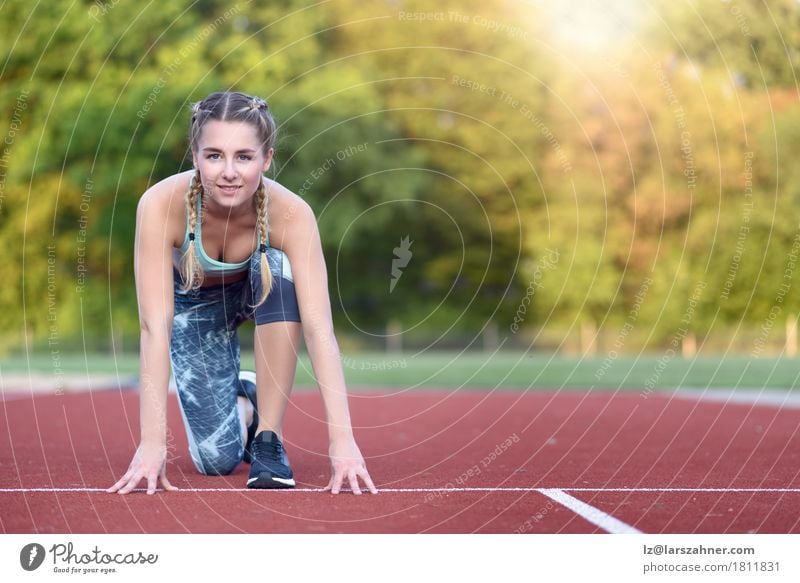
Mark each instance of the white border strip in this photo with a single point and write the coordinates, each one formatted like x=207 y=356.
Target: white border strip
x=590 y=513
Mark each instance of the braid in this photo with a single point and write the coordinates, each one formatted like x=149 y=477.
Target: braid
x=191 y=269
x=261 y=199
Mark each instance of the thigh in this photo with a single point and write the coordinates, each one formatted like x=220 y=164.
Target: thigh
x=281 y=305
x=205 y=356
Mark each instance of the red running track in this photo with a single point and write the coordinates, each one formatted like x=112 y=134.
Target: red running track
x=637 y=462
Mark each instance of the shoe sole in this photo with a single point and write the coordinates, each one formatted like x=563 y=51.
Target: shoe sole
x=269 y=481
x=247 y=375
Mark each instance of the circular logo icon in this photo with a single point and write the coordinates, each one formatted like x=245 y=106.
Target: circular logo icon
x=31 y=556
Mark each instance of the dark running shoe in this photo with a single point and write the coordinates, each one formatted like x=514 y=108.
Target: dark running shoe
x=270 y=467
x=247 y=388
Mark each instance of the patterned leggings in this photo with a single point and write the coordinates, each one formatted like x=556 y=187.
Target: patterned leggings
x=205 y=356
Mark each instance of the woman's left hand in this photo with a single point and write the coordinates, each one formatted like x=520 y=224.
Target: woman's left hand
x=347 y=462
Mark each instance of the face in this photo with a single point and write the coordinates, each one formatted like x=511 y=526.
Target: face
x=229 y=154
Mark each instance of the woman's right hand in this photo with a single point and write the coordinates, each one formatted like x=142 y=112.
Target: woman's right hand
x=150 y=463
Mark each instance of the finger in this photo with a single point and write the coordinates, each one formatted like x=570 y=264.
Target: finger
x=151 y=484
x=117 y=486
x=337 y=482
x=132 y=483
x=367 y=480
x=351 y=477
x=167 y=485
x=120 y=482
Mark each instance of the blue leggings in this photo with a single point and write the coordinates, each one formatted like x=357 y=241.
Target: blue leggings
x=205 y=356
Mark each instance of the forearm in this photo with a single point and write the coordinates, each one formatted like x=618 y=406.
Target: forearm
x=326 y=361
x=154 y=373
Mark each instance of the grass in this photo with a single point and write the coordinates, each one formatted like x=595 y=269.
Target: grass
x=508 y=370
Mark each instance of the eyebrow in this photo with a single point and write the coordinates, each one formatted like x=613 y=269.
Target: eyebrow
x=248 y=150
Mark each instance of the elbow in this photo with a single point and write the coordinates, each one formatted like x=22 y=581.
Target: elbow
x=150 y=330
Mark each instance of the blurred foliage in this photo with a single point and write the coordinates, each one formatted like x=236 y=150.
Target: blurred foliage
x=477 y=132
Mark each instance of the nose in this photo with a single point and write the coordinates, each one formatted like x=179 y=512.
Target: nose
x=229 y=171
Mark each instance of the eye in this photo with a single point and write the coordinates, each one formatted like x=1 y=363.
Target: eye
x=245 y=156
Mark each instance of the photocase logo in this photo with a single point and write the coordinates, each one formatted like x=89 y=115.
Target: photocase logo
x=31 y=556
x=402 y=257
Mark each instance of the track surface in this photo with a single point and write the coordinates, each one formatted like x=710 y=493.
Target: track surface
x=446 y=462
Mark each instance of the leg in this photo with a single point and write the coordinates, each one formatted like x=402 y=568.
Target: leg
x=204 y=352
x=245 y=415
x=276 y=346
x=277 y=338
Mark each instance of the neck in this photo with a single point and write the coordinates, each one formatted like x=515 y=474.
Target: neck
x=212 y=207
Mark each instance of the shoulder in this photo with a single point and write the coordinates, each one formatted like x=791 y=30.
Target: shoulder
x=167 y=190
x=284 y=203
x=164 y=201
x=290 y=214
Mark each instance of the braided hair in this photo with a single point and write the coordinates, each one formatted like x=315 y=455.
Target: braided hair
x=229 y=106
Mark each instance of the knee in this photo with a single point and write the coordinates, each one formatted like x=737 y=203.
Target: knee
x=216 y=464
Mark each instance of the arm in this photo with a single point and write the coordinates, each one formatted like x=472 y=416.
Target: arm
x=302 y=244
x=154 y=289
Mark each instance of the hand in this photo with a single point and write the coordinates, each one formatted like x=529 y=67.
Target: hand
x=150 y=462
x=346 y=460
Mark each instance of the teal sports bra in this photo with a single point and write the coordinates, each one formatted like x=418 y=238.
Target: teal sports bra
x=210 y=266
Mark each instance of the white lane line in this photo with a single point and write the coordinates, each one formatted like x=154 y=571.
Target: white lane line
x=782 y=399
x=590 y=513
x=453 y=490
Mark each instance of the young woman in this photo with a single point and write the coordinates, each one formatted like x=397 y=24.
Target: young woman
x=216 y=246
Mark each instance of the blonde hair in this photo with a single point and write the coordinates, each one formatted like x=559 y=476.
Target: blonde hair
x=229 y=106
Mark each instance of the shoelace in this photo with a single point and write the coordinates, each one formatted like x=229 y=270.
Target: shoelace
x=272 y=451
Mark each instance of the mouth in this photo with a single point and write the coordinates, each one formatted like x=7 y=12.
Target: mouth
x=228 y=189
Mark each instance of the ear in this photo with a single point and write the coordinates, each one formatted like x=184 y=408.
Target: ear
x=268 y=159
x=194 y=158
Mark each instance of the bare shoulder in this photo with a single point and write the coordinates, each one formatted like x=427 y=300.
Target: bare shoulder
x=287 y=209
x=165 y=200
